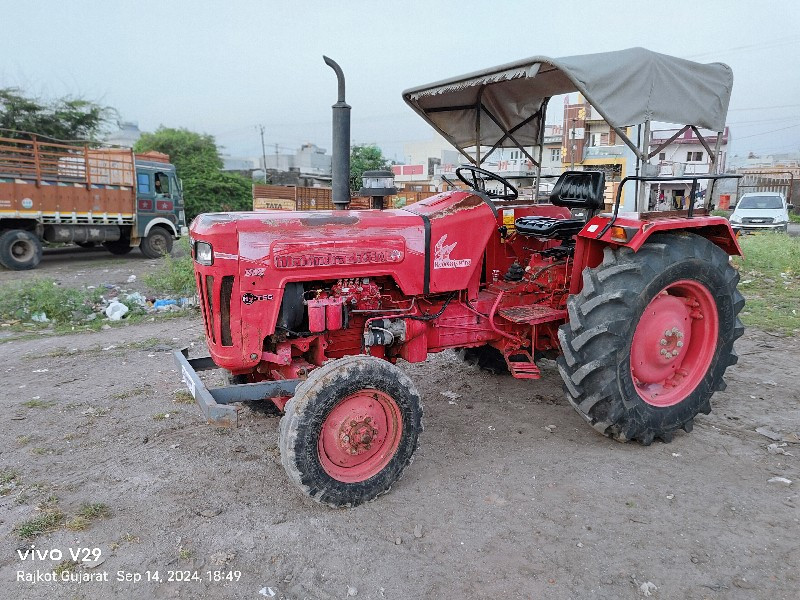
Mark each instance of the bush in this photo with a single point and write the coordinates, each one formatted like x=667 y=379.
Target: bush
x=174 y=276
x=770 y=282
x=22 y=300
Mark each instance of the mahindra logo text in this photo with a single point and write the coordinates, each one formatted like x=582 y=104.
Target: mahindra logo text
x=332 y=259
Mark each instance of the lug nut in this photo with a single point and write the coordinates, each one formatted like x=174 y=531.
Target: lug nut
x=679 y=344
x=674 y=353
x=663 y=342
x=668 y=333
x=663 y=352
x=679 y=334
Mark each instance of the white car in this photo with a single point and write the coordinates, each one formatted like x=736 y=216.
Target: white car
x=761 y=211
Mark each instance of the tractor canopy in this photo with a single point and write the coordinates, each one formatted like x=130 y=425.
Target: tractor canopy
x=505 y=106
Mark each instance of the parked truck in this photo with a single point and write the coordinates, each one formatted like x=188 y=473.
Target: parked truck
x=68 y=194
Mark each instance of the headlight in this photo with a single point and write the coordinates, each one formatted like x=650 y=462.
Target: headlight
x=735 y=220
x=203 y=253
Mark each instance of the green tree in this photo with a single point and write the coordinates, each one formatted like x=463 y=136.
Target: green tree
x=68 y=119
x=187 y=150
x=365 y=157
x=206 y=188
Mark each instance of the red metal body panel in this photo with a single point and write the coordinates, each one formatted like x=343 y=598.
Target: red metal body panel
x=461 y=224
x=589 y=249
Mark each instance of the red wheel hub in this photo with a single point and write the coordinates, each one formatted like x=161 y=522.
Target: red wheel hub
x=360 y=436
x=674 y=343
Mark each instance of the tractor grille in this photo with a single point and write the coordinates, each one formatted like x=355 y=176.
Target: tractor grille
x=225 y=292
x=218 y=324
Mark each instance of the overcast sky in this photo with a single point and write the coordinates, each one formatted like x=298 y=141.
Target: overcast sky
x=225 y=67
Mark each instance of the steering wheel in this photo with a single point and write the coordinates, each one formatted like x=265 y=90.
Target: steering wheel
x=479 y=183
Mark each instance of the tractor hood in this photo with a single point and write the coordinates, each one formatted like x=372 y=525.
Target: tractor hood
x=432 y=246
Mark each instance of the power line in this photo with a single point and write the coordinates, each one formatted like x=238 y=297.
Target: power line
x=763 y=45
x=744 y=137
x=765 y=107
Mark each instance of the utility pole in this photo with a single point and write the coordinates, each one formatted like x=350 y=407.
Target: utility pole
x=263 y=152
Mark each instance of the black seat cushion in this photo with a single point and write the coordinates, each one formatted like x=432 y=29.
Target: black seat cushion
x=579 y=189
x=549 y=227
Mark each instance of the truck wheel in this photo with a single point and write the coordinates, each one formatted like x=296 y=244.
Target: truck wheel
x=20 y=250
x=157 y=243
x=118 y=247
x=350 y=430
x=650 y=336
x=87 y=245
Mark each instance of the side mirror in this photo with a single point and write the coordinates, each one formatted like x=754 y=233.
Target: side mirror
x=790 y=207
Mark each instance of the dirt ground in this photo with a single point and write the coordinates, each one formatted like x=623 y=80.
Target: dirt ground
x=494 y=506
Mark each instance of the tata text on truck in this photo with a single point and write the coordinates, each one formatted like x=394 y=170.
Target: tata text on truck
x=311 y=310
x=60 y=193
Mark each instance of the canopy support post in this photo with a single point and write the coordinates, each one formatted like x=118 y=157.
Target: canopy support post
x=542 y=112
x=714 y=169
x=642 y=202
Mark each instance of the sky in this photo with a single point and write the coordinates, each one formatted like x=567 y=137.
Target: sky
x=224 y=68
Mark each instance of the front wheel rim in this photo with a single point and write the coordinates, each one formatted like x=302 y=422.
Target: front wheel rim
x=674 y=343
x=360 y=436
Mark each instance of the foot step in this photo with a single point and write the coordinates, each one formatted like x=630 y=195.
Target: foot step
x=532 y=314
x=521 y=365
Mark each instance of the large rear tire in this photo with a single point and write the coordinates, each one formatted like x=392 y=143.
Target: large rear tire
x=20 y=250
x=350 y=430
x=650 y=336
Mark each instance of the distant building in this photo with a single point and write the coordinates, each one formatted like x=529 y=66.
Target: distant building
x=126 y=136
x=308 y=161
x=590 y=144
x=236 y=163
x=685 y=155
x=425 y=163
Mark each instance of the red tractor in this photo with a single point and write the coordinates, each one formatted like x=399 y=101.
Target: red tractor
x=312 y=310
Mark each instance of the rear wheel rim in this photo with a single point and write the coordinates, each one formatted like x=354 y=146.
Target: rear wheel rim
x=22 y=250
x=360 y=436
x=674 y=343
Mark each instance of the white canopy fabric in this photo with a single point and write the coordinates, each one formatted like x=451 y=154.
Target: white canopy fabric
x=627 y=87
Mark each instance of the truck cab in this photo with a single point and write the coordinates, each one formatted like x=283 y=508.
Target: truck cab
x=159 y=197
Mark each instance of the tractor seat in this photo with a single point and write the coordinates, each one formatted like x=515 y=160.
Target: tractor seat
x=574 y=189
x=549 y=228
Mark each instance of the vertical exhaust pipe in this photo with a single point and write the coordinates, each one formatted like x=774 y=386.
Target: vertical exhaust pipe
x=340 y=167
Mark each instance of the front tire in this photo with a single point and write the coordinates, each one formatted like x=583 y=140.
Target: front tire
x=20 y=250
x=157 y=243
x=350 y=430
x=650 y=336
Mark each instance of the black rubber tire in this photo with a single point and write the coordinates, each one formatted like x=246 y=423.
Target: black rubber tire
x=312 y=403
x=20 y=250
x=486 y=358
x=596 y=342
x=157 y=243
x=86 y=245
x=118 y=247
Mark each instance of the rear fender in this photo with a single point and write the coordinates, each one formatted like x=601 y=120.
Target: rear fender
x=632 y=232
